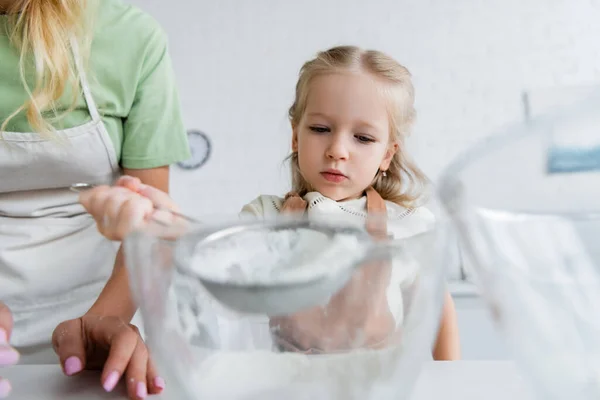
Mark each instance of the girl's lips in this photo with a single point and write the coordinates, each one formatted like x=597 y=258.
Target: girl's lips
x=333 y=177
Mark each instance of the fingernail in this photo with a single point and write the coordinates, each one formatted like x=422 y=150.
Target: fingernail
x=141 y=391
x=3 y=336
x=5 y=388
x=73 y=365
x=111 y=381
x=159 y=383
x=8 y=355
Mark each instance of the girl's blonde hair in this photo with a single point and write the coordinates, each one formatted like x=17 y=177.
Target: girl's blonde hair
x=405 y=182
x=43 y=29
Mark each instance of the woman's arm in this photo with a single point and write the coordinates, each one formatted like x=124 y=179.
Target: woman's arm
x=447 y=346
x=115 y=299
x=103 y=337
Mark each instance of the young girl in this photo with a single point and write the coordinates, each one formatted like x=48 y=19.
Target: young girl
x=352 y=111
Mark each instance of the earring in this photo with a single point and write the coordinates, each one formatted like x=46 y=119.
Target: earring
x=384 y=173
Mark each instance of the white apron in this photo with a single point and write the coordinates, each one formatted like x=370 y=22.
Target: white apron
x=53 y=261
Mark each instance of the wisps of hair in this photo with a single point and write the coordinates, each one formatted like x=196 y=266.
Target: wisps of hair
x=42 y=31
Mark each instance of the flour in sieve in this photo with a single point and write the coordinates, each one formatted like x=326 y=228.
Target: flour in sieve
x=263 y=257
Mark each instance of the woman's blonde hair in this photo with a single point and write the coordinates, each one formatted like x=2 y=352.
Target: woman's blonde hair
x=43 y=29
x=404 y=182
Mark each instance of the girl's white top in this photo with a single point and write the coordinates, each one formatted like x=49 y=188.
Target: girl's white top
x=414 y=221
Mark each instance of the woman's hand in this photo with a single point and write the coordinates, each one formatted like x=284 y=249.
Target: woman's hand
x=8 y=355
x=120 y=209
x=112 y=345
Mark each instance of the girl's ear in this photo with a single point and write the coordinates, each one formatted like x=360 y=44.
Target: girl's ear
x=389 y=154
x=294 y=139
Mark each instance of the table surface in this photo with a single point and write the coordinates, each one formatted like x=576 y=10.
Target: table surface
x=457 y=380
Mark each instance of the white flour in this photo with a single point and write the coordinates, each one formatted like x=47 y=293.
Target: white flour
x=263 y=257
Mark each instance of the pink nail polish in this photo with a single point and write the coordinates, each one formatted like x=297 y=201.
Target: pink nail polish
x=3 y=336
x=141 y=391
x=8 y=355
x=159 y=383
x=5 y=388
x=73 y=365
x=111 y=381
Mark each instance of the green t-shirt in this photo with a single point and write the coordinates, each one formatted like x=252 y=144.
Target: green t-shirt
x=131 y=80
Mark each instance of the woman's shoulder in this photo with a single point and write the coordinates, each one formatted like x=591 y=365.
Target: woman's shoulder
x=118 y=14
x=116 y=20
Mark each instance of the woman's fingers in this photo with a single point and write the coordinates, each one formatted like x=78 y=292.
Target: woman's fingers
x=156 y=384
x=8 y=355
x=136 y=373
x=117 y=210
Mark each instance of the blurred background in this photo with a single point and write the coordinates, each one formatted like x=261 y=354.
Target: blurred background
x=477 y=65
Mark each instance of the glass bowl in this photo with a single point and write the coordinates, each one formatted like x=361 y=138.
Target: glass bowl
x=366 y=339
x=526 y=206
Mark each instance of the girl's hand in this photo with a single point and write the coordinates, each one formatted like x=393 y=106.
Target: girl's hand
x=358 y=316
x=120 y=209
x=112 y=345
x=8 y=355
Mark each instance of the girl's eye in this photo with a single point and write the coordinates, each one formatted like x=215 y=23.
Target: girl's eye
x=364 y=139
x=319 y=129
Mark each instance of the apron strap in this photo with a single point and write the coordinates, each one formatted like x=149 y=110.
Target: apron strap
x=293 y=203
x=375 y=203
x=87 y=93
x=376 y=214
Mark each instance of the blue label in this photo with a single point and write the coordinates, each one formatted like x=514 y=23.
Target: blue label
x=572 y=159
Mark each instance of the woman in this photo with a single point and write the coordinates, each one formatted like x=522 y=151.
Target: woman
x=87 y=93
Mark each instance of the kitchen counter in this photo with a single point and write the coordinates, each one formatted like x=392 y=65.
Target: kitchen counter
x=460 y=380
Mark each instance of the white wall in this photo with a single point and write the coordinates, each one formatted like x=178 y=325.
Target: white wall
x=237 y=63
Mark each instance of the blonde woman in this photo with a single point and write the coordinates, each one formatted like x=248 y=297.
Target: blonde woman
x=87 y=92
x=352 y=112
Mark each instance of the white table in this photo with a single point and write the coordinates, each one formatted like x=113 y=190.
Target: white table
x=460 y=380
